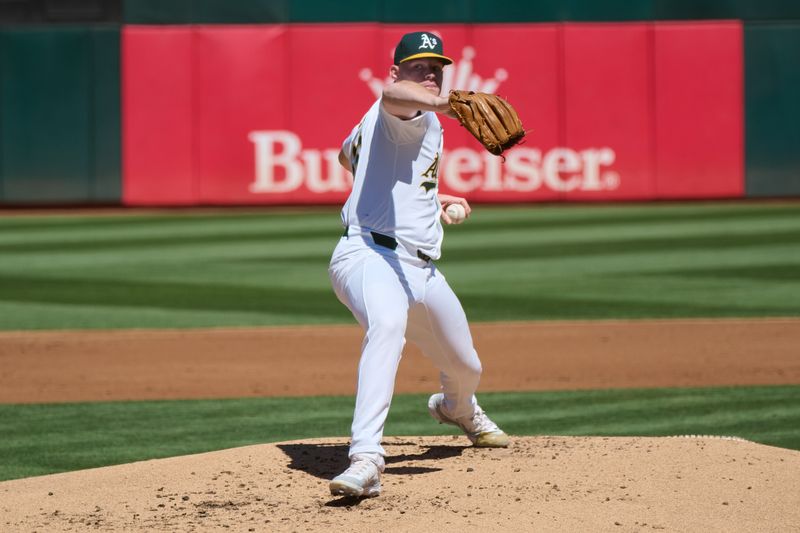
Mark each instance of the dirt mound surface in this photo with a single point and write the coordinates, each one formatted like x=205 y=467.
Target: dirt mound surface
x=431 y=483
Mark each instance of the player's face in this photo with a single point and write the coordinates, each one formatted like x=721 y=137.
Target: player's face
x=426 y=71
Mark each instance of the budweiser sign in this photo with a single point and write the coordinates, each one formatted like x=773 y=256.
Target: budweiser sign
x=256 y=128
x=283 y=165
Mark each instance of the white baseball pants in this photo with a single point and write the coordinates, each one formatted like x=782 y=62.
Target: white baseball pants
x=395 y=296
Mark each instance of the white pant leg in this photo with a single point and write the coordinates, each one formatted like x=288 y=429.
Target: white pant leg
x=438 y=325
x=377 y=289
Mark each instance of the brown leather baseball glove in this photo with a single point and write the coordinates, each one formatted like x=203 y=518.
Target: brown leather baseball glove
x=489 y=118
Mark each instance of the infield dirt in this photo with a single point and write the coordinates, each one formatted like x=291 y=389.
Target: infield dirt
x=431 y=483
x=64 y=366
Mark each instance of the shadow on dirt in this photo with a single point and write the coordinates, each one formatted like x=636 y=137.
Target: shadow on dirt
x=320 y=460
x=327 y=460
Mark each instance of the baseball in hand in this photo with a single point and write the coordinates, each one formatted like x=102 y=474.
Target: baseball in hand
x=456 y=213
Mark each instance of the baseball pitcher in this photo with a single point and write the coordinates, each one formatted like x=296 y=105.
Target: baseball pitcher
x=383 y=267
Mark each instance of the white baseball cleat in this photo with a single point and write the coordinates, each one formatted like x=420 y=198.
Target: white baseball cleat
x=362 y=479
x=479 y=428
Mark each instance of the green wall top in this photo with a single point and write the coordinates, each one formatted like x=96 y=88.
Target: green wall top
x=399 y=11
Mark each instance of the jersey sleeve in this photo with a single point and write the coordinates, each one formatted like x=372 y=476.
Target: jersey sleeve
x=347 y=145
x=401 y=131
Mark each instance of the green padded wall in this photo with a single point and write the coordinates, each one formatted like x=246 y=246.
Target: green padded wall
x=106 y=183
x=206 y=11
x=772 y=109
x=424 y=11
x=327 y=11
x=748 y=10
x=45 y=114
x=59 y=115
x=561 y=10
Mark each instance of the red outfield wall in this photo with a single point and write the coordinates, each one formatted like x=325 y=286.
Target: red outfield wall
x=256 y=114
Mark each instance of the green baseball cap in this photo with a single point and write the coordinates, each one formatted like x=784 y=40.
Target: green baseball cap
x=419 y=44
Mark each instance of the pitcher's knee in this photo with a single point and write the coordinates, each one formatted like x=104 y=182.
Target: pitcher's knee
x=387 y=326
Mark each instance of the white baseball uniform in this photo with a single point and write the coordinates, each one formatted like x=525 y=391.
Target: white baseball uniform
x=382 y=269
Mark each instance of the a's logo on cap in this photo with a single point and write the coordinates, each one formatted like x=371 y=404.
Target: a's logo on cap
x=428 y=42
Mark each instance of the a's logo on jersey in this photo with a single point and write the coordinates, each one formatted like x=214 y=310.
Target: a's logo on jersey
x=433 y=170
x=428 y=42
x=459 y=75
x=432 y=173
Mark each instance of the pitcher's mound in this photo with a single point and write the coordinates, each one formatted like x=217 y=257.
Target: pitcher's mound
x=431 y=484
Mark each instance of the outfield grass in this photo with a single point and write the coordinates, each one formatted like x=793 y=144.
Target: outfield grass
x=41 y=439
x=506 y=263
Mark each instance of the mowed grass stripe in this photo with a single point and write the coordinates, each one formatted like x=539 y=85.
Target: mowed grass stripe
x=39 y=439
x=491 y=308
x=267 y=228
x=713 y=241
x=580 y=213
x=513 y=239
x=508 y=246
x=652 y=215
x=485 y=219
x=176 y=219
x=768 y=273
x=112 y=243
x=194 y=258
x=475 y=232
x=270 y=269
x=219 y=297
x=177 y=226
